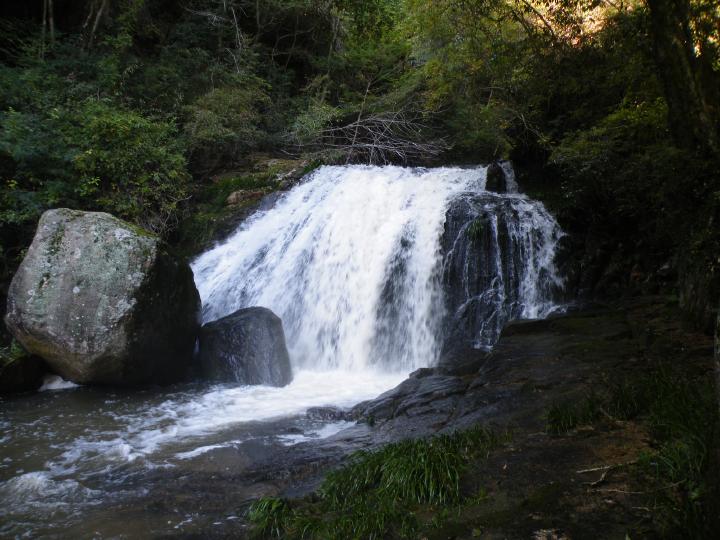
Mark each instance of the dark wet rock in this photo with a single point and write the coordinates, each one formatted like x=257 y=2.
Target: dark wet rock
x=20 y=373
x=468 y=243
x=326 y=413
x=247 y=347
x=486 y=254
x=462 y=360
x=243 y=196
x=102 y=302
x=289 y=178
x=496 y=179
x=478 y=386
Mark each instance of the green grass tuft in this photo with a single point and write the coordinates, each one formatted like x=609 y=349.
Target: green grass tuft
x=475 y=230
x=378 y=493
x=563 y=417
x=683 y=419
x=268 y=515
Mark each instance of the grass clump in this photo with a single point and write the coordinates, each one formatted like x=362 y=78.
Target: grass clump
x=565 y=416
x=268 y=515
x=475 y=230
x=378 y=493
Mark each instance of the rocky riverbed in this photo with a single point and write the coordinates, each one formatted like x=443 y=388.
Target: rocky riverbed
x=572 y=483
x=581 y=476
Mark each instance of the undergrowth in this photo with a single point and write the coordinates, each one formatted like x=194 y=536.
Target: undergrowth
x=680 y=413
x=378 y=493
x=11 y=353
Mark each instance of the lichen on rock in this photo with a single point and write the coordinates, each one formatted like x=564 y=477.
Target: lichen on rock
x=103 y=303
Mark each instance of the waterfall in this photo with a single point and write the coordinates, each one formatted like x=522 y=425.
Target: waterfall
x=355 y=260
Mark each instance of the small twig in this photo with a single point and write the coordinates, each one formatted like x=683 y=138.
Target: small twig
x=607 y=467
x=669 y=486
x=599 y=480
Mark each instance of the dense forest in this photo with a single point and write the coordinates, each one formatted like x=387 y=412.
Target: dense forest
x=609 y=109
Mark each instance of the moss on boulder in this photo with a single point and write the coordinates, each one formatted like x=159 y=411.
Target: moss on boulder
x=102 y=302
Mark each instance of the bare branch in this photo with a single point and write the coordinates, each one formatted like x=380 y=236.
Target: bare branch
x=385 y=137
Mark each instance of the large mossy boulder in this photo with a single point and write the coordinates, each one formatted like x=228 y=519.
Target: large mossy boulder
x=101 y=302
x=247 y=347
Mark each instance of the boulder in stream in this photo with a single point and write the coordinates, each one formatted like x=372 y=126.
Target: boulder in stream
x=101 y=302
x=247 y=347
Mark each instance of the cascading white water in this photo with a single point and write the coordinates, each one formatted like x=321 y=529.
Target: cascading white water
x=351 y=260
x=326 y=256
x=499 y=265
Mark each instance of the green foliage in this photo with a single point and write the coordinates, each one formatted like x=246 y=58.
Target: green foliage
x=682 y=414
x=377 y=494
x=308 y=126
x=475 y=230
x=269 y=516
x=227 y=122
x=131 y=165
x=12 y=353
x=94 y=156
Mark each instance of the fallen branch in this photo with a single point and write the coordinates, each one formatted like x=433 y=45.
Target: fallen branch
x=606 y=469
x=669 y=486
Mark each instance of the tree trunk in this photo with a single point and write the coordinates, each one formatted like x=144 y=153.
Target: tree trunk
x=717 y=359
x=51 y=20
x=96 y=24
x=692 y=119
x=44 y=26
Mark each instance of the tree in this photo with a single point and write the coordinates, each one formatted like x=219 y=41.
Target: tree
x=685 y=54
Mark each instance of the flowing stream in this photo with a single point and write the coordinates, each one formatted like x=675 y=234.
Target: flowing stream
x=371 y=271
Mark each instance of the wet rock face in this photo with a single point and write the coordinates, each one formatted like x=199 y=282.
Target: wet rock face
x=244 y=195
x=247 y=347
x=498 y=266
x=471 y=245
x=101 y=302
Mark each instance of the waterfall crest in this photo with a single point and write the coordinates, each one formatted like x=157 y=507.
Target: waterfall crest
x=355 y=262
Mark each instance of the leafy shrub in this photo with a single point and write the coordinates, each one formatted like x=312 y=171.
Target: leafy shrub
x=226 y=123
x=95 y=157
x=308 y=126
